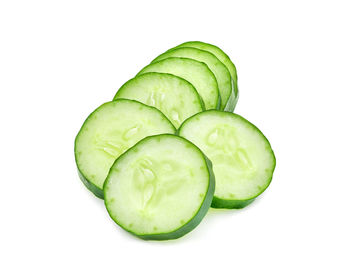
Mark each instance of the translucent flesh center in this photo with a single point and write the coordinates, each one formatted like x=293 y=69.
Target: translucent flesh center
x=242 y=159
x=110 y=132
x=176 y=98
x=117 y=141
x=155 y=179
x=157 y=99
x=157 y=188
x=226 y=150
x=194 y=72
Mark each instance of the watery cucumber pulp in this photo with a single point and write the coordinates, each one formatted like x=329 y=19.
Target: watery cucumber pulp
x=193 y=71
x=175 y=97
x=220 y=71
x=243 y=161
x=109 y=131
x=161 y=188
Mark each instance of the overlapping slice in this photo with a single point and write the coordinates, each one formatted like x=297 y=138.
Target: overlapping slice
x=175 y=97
x=220 y=71
x=243 y=161
x=195 y=72
x=224 y=58
x=161 y=188
x=109 y=131
x=158 y=185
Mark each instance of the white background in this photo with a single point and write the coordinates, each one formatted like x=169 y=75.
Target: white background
x=59 y=60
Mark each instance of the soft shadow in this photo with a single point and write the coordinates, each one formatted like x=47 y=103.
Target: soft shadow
x=206 y=224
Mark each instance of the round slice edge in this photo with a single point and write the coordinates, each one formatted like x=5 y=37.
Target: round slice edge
x=160 y=189
x=220 y=71
x=243 y=160
x=175 y=97
x=195 y=72
x=225 y=59
x=110 y=130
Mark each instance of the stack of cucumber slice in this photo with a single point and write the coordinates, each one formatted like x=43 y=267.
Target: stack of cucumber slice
x=169 y=147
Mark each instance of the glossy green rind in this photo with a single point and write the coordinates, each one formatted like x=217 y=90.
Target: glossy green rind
x=220 y=71
x=255 y=190
x=196 y=218
x=90 y=186
x=231 y=103
x=129 y=109
x=230 y=204
x=224 y=58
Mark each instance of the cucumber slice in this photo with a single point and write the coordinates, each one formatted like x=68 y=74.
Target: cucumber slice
x=161 y=188
x=242 y=158
x=195 y=72
x=110 y=130
x=175 y=97
x=224 y=58
x=220 y=71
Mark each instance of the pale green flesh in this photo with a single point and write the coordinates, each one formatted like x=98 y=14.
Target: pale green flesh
x=220 y=71
x=176 y=98
x=110 y=130
x=243 y=161
x=157 y=186
x=195 y=72
x=224 y=58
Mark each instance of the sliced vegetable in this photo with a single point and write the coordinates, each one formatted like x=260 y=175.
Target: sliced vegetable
x=161 y=188
x=195 y=72
x=220 y=71
x=110 y=130
x=243 y=161
x=175 y=97
x=224 y=58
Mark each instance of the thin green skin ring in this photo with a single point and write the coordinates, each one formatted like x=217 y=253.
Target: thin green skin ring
x=90 y=186
x=229 y=106
x=201 y=103
x=218 y=100
x=228 y=203
x=232 y=100
x=196 y=219
x=234 y=76
x=98 y=192
x=210 y=54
